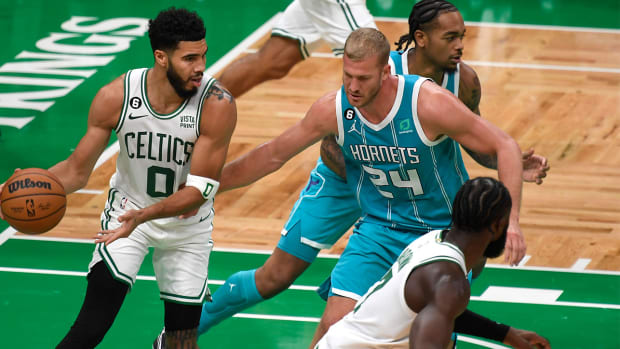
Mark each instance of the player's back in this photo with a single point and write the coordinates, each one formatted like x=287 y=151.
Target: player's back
x=382 y=318
x=401 y=178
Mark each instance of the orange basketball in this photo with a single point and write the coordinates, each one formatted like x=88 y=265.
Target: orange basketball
x=33 y=201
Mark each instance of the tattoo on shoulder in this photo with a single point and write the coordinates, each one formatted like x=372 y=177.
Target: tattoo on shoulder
x=219 y=91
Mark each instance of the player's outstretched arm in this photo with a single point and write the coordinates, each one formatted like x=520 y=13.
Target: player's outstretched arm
x=103 y=116
x=320 y=121
x=535 y=166
x=441 y=113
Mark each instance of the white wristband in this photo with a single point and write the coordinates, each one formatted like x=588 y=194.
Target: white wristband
x=207 y=186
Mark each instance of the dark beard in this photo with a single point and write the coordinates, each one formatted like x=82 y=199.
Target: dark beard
x=496 y=248
x=178 y=83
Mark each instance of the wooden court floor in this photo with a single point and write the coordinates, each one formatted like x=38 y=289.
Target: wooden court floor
x=556 y=90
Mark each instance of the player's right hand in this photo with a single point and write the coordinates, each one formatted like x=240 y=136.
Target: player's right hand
x=2 y=187
x=522 y=339
x=515 y=245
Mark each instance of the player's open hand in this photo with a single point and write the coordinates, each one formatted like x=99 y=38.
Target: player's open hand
x=129 y=221
x=2 y=187
x=522 y=339
x=515 y=245
x=535 y=167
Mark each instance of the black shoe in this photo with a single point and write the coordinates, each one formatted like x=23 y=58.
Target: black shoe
x=160 y=341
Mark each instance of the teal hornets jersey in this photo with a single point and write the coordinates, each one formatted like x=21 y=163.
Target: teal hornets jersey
x=401 y=178
x=400 y=66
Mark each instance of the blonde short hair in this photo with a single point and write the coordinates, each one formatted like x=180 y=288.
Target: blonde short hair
x=366 y=42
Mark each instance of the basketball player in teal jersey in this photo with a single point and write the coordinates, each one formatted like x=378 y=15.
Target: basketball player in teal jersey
x=327 y=208
x=404 y=178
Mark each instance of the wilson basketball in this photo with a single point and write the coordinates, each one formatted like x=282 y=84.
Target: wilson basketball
x=33 y=201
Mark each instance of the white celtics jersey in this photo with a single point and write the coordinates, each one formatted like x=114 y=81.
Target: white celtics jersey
x=155 y=150
x=382 y=318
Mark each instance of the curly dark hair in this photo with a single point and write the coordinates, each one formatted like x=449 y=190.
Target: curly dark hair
x=479 y=203
x=174 y=25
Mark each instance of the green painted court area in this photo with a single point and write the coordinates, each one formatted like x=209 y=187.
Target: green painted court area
x=44 y=283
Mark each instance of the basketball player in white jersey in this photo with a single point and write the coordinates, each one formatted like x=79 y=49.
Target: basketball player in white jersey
x=416 y=302
x=300 y=30
x=174 y=126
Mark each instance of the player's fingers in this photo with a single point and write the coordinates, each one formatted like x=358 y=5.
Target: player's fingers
x=508 y=250
x=100 y=236
x=528 y=153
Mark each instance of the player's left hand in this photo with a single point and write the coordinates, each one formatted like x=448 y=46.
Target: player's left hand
x=515 y=245
x=522 y=339
x=535 y=167
x=130 y=220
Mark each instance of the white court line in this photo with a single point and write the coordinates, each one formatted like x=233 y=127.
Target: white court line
x=139 y=277
x=502 y=64
x=88 y=191
x=277 y=317
x=313 y=288
x=524 y=260
x=561 y=304
x=7 y=234
x=544 y=67
x=581 y=264
x=267 y=252
x=520 y=295
x=517 y=26
x=472 y=340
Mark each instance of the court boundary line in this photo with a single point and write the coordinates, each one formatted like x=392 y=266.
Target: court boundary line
x=333 y=256
x=311 y=288
x=502 y=65
x=517 y=26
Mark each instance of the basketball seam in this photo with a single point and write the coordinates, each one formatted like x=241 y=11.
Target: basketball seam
x=34 y=194
x=36 y=219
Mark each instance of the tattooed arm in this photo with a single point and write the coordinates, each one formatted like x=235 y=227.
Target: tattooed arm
x=332 y=157
x=470 y=94
x=535 y=166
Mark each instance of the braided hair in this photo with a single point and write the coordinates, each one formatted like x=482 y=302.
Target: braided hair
x=479 y=203
x=422 y=13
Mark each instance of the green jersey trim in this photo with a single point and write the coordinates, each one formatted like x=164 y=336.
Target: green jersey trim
x=157 y=115
x=121 y=118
